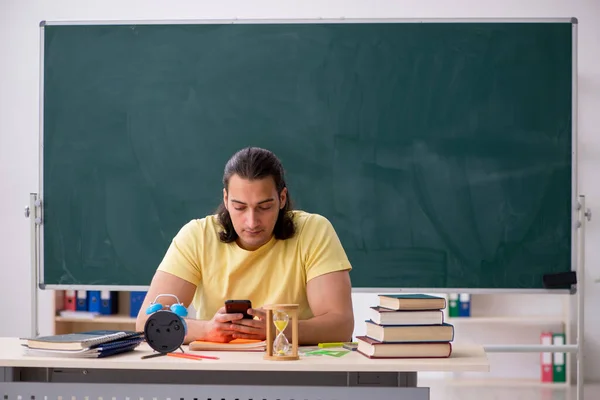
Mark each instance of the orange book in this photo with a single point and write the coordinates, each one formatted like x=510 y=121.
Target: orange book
x=234 y=345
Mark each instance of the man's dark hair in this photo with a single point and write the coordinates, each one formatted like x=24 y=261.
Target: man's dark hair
x=255 y=163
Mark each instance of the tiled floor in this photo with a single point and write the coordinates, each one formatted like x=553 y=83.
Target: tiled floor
x=441 y=391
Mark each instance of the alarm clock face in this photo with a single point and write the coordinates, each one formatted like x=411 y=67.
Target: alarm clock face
x=164 y=331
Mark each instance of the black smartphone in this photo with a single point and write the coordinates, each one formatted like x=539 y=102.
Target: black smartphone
x=238 y=306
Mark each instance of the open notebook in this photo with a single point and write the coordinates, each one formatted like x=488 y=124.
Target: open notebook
x=234 y=345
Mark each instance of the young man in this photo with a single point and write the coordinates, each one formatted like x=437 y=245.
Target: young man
x=257 y=248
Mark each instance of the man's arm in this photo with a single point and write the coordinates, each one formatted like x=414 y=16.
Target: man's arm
x=328 y=290
x=165 y=283
x=330 y=299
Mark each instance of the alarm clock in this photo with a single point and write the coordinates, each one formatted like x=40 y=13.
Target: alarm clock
x=165 y=328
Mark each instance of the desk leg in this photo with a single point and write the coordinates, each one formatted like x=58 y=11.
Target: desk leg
x=407 y=379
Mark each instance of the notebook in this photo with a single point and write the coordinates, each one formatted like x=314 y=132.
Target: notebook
x=79 y=341
x=234 y=345
x=100 y=351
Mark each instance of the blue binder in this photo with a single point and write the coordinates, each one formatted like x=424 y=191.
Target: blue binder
x=135 y=302
x=81 y=303
x=464 y=309
x=93 y=300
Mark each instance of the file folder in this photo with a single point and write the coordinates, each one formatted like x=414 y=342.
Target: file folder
x=108 y=302
x=82 y=304
x=135 y=302
x=464 y=305
x=70 y=301
x=546 y=364
x=559 y=359
x=453 y=305
x=94 y=300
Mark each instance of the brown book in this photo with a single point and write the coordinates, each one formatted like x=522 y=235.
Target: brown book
x=410 y=333
x=385 y=316
x=373 y=349
x=411 y=302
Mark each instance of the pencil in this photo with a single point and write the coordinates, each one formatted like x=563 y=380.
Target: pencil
x=192 y=356
x=183 y=355
x=207 y=357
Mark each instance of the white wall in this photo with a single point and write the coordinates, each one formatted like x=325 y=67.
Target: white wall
x=19 y=52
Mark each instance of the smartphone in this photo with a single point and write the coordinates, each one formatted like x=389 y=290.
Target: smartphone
x=238 y=306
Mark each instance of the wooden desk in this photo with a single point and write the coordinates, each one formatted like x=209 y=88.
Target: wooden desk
x=236 y=375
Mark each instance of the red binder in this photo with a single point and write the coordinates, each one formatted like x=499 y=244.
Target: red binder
x=546 y=358
x=70 y=300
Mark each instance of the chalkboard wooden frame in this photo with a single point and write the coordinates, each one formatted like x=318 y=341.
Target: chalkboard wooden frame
x=38 y=244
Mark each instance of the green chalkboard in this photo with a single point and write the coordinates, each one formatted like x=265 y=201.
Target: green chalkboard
x=441 y=152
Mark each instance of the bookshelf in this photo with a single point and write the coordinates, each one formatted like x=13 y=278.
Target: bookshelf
x=512 y=319
x=83 y=322
x=454 y=381
x=518 y=320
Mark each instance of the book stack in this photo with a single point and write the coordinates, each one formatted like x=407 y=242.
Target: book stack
x=407 y=326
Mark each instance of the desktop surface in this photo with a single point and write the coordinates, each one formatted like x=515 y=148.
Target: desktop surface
x=465 y=358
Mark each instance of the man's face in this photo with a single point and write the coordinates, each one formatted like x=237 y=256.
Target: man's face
x=253 y=207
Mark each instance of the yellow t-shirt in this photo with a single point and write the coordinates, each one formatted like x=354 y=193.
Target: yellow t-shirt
x=277 y=272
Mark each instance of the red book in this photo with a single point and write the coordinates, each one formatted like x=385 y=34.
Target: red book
x=372 y=348
x=546 y=358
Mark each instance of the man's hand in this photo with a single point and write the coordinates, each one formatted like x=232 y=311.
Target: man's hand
x=219 y=327
x=250 y=328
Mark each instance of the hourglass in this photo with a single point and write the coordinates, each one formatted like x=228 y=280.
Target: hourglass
x=278 y=318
